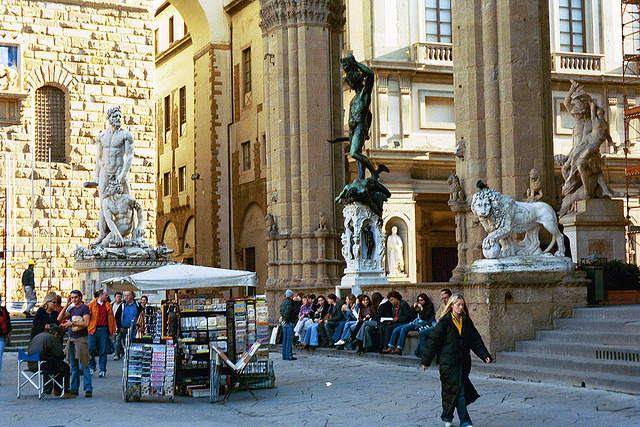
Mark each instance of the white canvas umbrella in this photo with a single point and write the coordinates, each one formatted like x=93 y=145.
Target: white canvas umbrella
x=183 y=276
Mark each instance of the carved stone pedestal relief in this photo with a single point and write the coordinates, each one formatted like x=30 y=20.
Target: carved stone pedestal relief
x=596 y=227
x=363 y=247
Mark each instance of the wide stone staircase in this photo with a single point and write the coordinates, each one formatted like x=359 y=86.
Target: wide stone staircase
x=21 y=329
x=596 y=348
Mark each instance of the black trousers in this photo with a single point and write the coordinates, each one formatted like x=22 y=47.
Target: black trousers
x=60 y=366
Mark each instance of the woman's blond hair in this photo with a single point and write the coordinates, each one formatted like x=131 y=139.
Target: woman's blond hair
x=452 y=299
x=50 y=297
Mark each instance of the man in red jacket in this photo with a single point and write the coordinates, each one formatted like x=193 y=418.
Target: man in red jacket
x=102 y=328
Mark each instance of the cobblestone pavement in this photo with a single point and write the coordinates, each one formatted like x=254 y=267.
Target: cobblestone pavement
x=317 y=390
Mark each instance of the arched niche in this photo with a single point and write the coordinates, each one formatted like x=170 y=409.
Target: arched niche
x=403 y=233
x=170 y=237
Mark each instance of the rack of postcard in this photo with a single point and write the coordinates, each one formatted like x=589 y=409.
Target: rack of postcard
x=232 y=326
x=149 y=362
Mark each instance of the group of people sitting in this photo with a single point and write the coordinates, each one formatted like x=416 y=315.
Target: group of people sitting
x=363 y=323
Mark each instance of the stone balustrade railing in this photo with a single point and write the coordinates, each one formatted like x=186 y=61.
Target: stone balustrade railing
x=432 y=53
x=583 y=63
x=441 y=54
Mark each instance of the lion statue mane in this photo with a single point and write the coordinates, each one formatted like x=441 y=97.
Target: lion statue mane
x=503 y=218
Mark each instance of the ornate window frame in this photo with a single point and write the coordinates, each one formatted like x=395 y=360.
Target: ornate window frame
x=11 y=82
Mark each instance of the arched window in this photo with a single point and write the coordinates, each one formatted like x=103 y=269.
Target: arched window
x=50 y=124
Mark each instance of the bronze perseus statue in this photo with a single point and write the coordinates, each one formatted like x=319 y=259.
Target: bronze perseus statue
x=359 y=77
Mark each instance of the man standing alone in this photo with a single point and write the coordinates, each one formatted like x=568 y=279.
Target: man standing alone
x=102 y=325
x=288 y=317
x=28 y=284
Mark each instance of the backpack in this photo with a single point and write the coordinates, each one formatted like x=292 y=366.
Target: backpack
x=4 y=321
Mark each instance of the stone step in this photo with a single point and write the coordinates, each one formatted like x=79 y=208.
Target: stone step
x=572 y=377
x=578 y=364
x=611 y=312
x=589 y=350
x=609 y=338
x=603 y=325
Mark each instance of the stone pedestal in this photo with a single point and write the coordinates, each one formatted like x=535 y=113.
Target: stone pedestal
x=596 y=227
x=522 y=264
x=510 y=307
x=363 y=247
x=92 y=272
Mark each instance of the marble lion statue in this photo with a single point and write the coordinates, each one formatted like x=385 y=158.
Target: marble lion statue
x=503 y=218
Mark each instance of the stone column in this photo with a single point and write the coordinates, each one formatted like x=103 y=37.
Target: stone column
x=303 y=100
x=502 y=100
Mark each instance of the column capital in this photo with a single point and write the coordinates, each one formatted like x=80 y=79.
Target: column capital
x=284 y=13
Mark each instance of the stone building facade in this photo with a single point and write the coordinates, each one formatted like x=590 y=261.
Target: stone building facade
x=69 y=61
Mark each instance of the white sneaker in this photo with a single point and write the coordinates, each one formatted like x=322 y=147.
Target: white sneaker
x=102 y=374
x=448 y=424
x=341 y=342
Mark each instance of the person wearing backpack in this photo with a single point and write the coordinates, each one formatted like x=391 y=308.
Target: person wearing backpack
x=5 y=330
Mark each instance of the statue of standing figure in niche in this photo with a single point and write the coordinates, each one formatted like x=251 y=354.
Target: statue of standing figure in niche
x=359 y=77
x=582 y=168
x=395 y=253
x=369 y=241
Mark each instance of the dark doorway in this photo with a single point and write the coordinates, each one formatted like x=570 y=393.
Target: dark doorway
x=250 y=259
x=443 y=261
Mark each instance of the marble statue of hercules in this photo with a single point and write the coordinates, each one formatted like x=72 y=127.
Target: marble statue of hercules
x=119 y=210
x=114 y=158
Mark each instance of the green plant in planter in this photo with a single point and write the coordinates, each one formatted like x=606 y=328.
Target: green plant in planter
x=622 y=276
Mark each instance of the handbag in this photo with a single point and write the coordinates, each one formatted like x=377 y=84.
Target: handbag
x=274 y=335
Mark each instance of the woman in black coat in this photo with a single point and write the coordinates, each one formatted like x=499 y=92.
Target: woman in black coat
x=451 y=340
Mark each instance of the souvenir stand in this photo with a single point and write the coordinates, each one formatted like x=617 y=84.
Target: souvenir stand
x=197 y=315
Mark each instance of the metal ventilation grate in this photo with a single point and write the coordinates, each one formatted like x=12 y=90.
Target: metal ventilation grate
x=625 y=356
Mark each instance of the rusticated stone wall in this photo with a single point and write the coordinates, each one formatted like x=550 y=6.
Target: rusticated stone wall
x=100 y=54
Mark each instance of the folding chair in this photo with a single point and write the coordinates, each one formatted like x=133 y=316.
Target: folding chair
x=39 y=379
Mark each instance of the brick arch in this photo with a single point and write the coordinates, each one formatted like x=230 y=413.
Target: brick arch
x=51 y=75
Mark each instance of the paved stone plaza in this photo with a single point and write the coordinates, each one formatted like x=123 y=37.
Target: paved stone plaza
x=317 y=390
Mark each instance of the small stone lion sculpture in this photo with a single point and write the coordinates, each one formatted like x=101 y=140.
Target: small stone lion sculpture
x=503 y=218
x=456 y=194
x=270 y=224
x=534 y=192
x=322 y=221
